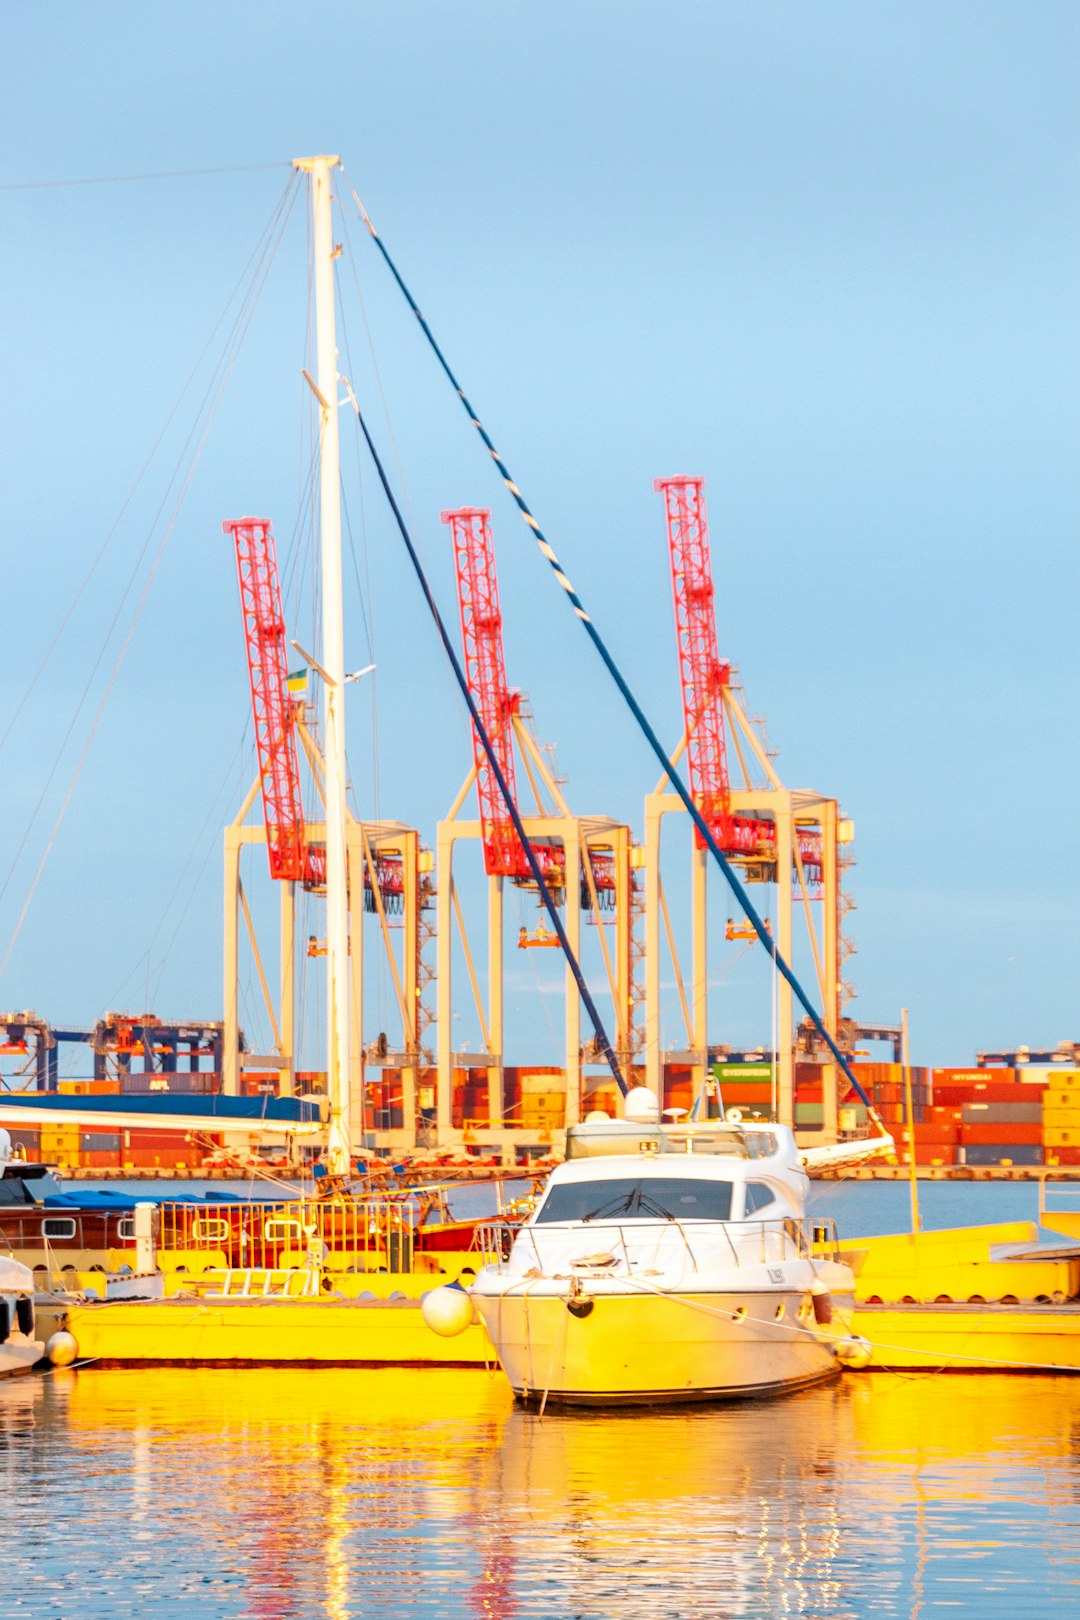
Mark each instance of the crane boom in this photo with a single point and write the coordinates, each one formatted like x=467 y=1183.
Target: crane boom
x=485 y=671
x=703 y=673
x=275 y=735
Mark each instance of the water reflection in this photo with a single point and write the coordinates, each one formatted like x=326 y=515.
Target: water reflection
x=268 y=1493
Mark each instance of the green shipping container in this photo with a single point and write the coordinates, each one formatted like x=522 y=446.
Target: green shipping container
x=743 y=1072
x=809 y=1113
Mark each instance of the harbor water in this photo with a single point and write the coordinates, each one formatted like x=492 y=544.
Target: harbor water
x=238 y=1495
x=273 y=1493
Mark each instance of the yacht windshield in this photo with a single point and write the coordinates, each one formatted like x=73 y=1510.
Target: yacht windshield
x=663 y=1198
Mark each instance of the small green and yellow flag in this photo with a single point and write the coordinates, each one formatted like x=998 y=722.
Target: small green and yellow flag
x=296 y=681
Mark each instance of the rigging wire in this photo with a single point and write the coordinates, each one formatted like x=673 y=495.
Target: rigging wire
x=749 y=910
x=211 y=404
x=377 y=373
x=128 y=179
x=197 y=844
x=267 y=232
x=215 y=382
x=492 y=758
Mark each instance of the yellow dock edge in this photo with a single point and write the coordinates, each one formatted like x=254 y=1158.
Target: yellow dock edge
x=270 y=1332
x=967 y=1338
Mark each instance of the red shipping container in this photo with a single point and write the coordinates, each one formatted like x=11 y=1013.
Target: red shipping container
x=1063 y=1155
x=972 y=1077
x=946 y=1095
x=1001 y=1135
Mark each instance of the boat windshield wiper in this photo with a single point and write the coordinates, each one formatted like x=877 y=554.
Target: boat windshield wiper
x=619 y=1205
x=646 y=1206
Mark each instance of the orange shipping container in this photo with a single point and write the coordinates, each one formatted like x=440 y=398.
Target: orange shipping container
x=1001 y=1135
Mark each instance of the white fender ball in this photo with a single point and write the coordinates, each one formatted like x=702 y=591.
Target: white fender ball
x=855 y=1352
x=447 y=1311
x=62 y=1349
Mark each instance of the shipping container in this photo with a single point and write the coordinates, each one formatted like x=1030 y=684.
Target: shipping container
x=744 y=1072
x=1062 y=1119
x=1049 y=1074
x=1061 y=1097
x=1067 y=1156
x=1001 y=1113
x=1061 y=1136
x=972 y=1077
x=997 y=1134
x=28 y=1143
x=956 y=1096
x=1002 y=1153
x=540 y=1080
x=100 y=1141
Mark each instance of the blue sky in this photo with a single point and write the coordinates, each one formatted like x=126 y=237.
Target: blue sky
x=823 y=256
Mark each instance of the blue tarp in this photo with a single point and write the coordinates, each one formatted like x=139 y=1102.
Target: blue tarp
x=284 y=1109
x=104 y=1199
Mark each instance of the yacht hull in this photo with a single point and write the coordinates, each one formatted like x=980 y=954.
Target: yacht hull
x=660 y=1348
x=19 y=1354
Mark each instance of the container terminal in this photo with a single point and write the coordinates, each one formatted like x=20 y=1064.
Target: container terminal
x=395 y=906
x=1011 y=1111
x=411 y=1090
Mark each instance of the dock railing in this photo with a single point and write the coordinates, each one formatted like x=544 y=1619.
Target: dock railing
x=362 y=1234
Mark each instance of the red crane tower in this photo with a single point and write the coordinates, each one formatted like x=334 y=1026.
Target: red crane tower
x=704 y=674
x=485 y=670
x=291 y=857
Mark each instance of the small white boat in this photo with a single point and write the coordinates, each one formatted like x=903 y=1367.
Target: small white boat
x=19 y=1349
x=667 y=1264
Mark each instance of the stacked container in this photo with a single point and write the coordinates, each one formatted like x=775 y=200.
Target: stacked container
x=1061 y=1117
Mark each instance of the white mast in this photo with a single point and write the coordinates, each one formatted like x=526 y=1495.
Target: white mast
x=339 y=1157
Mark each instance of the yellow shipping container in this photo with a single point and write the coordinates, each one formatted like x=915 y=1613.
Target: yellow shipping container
x=1059 y=1136
x=1060 y=1097
x=1061 y=1118
x=55 y=1141
x=1064 y=1080
x=541 y=1118
x=541 y=1084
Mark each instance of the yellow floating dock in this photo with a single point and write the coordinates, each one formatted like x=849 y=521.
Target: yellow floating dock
x=971 y=1338
x=256 y=1331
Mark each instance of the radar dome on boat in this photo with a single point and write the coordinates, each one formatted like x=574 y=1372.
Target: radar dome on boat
x=596 y=1116
x=5 y=1147
x=642 y=1106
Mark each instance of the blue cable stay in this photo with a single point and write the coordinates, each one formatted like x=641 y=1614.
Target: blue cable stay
x=486 y=743
x=613 y=670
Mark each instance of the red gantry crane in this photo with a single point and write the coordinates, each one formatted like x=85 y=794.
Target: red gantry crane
x=584 y=861
x=292 y=858
x=704 y=677
x=485 y=670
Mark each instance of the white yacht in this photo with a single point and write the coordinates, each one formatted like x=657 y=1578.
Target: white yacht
x=19 y=1349
x=666 y=1264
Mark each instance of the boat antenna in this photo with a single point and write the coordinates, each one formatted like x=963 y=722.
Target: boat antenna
x=485 y=742
x=670 y=770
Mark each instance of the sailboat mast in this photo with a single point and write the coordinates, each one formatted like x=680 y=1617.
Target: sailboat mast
x=339 y=1157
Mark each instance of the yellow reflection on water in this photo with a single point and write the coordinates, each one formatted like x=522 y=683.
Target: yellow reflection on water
x=273 y=1493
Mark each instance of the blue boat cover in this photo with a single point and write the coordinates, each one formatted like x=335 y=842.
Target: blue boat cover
x=283 y=1109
